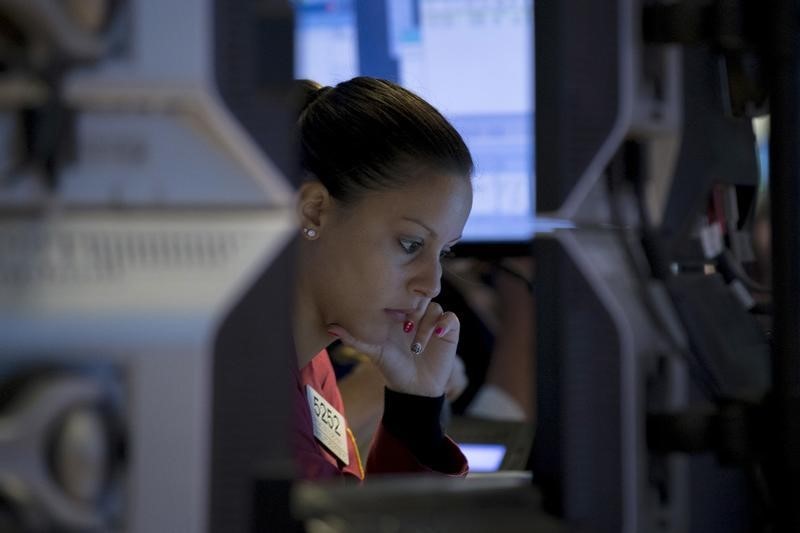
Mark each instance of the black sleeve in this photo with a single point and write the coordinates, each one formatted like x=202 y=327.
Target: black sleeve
x=415 y=421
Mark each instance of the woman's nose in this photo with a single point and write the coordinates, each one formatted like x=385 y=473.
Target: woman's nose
x=427 y=280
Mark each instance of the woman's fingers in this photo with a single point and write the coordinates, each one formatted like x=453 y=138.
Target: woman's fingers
x=447 y=327
x=425 y=327
x=434 y=324
x=433 y=339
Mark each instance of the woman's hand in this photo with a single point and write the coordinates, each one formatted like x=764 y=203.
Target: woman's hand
x=435 y=335
x=458 y=380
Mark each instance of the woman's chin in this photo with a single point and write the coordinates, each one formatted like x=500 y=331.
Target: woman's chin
x=374 y=334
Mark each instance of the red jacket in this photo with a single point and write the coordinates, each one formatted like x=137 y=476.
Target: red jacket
x=387 y=454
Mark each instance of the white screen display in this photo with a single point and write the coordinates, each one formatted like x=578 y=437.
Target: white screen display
x=483 y=457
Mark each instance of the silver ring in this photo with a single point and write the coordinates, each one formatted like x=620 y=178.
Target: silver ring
x=416 y=348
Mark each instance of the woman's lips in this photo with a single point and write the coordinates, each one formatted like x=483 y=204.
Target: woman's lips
x=400 y=315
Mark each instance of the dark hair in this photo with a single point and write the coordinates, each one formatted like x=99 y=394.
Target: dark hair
x=371 y=134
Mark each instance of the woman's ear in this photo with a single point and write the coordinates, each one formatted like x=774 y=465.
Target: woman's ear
x=313 y=205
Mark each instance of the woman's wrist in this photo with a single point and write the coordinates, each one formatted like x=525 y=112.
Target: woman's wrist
x=415 y=421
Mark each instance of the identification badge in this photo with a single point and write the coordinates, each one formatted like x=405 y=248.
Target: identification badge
x=329 y=425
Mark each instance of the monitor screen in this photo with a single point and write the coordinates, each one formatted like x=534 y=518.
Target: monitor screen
x=483 y=457
x=472 y=60
x=326 y=44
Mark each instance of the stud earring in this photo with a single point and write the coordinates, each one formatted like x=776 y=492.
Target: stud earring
x=310 y=233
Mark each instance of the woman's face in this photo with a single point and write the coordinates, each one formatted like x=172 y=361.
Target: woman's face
x=378 y=260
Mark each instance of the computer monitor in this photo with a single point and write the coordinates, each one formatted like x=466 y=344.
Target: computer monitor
x=472 y=60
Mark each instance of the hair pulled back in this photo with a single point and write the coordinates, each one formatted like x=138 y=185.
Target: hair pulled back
x=368 y=134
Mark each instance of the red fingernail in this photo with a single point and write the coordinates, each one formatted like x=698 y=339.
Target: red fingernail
x=332 y=334
x=438 y=331
x=408 y=326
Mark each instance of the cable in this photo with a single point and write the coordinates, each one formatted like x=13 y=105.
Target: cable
x=732 y=268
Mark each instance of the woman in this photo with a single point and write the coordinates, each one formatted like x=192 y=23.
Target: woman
x=387 y=196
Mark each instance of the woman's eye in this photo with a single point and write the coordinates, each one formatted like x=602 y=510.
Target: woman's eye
x=447 y=252
x=410 y=246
